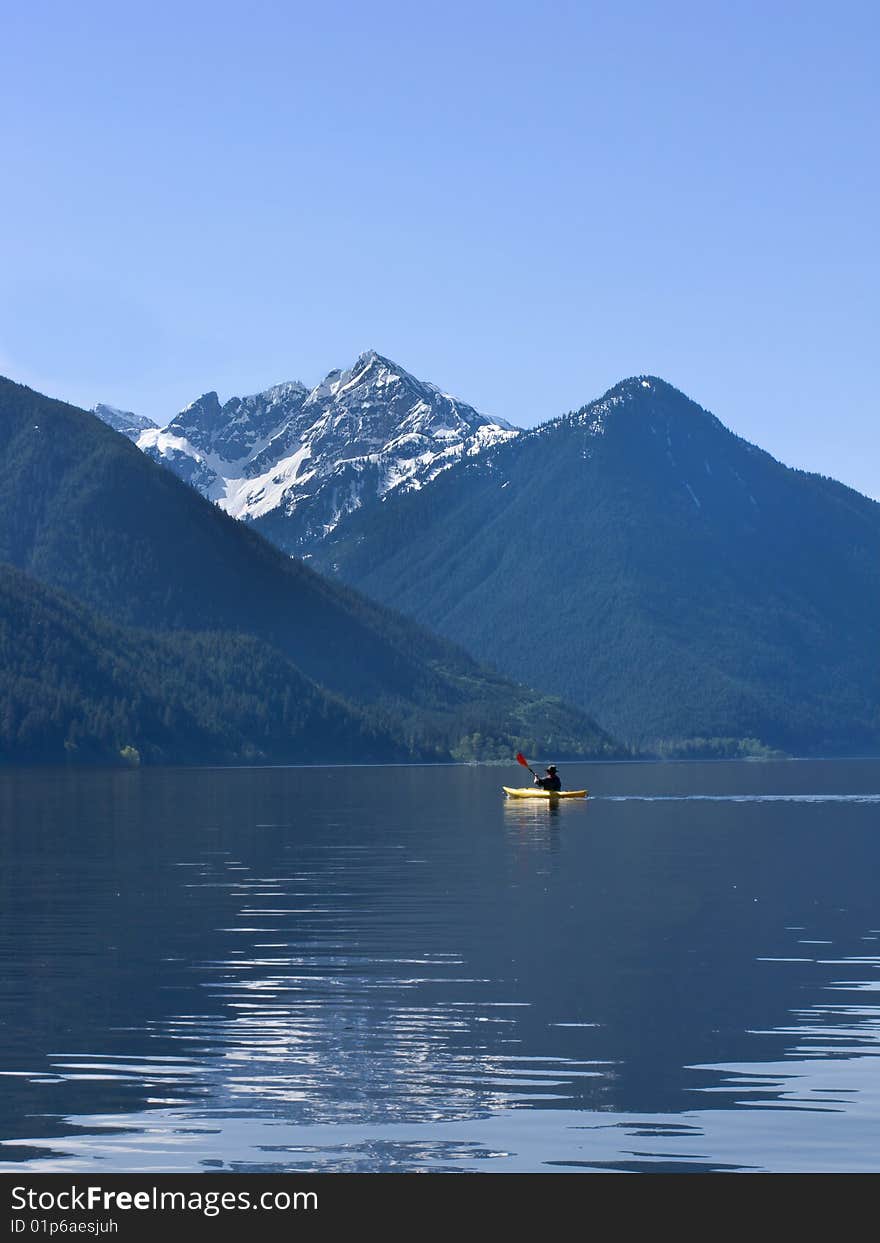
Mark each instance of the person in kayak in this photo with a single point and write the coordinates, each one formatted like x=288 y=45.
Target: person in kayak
x=552 y=781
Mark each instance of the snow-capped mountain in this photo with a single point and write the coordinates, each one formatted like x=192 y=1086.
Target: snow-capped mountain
x=295 y=461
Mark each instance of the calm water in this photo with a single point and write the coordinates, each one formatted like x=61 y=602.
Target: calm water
x=395 y=969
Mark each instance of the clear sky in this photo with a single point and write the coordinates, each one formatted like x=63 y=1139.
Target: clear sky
x=522 y=202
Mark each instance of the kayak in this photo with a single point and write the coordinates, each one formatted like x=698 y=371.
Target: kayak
x=534 y=792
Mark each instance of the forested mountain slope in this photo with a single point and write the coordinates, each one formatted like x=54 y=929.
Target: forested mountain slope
x=83 y=510
x=639 y=557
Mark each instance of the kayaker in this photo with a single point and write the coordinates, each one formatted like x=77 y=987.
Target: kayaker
x=552 y=781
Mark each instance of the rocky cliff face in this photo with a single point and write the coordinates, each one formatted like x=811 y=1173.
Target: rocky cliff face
x=295 y=461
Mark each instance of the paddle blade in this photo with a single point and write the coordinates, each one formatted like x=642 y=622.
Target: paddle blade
x=521 y=759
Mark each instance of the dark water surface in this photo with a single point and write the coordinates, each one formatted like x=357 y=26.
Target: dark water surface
x=395 y=969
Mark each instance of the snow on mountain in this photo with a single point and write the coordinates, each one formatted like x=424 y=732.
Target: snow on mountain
x=131 y=425
x=295 y=461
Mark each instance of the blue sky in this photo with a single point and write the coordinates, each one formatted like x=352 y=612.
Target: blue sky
x=523 y=202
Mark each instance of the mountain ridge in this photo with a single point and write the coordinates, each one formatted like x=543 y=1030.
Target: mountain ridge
x=293 y=461
x=701 y=589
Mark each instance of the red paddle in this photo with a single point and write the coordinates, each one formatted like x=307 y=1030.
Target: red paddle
x=521 y=759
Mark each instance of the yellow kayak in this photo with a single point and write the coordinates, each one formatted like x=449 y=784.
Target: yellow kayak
x=536 y=792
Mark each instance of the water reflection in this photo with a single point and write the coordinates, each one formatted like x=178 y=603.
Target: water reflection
x=234 y=971
x=532 y=827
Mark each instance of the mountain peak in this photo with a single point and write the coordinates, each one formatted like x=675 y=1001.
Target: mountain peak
x=286 y=388
x=371 y=372
x=358 y=435
x=643 y=385
x=124 y=421
x=645 y=396
x=705 y=591
x=375 y=366
x=208 y=402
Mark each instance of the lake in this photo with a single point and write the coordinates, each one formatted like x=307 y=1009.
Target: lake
x=396 y=969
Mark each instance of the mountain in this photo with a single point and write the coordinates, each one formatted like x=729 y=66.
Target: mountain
x=293 y=461
x=639 y=557
x=85 y=512
x=131 y=425
x=74 y=686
